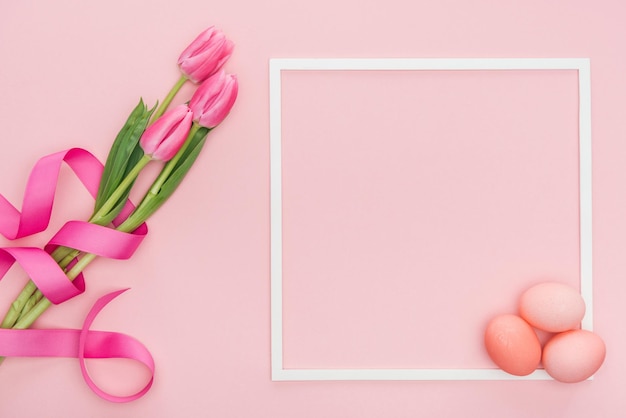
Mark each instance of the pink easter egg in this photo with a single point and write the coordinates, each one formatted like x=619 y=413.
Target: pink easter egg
x=552 y=307
x=512 y=344
x=573 y=356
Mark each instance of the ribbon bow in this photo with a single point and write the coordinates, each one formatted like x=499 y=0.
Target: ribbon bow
x=52 y=281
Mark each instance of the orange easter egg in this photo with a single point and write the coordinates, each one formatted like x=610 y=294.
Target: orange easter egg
x=512 y=344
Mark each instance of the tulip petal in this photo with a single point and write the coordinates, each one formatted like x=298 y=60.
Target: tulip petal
x=172 y=143
x=201 y=39
x=214 y=98
x=205 y=55
x=166 y=135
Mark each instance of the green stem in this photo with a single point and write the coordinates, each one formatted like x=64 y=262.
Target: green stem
x=16 y=307
x=68 y=258
x=32 y=301
x=168 y=99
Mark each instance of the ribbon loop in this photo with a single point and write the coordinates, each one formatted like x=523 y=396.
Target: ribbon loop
x=83 y=236
x=126 y=347
x=43 y=271
x=81 y=344
x=40 y=190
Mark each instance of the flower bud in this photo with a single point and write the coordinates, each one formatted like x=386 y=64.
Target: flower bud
x=213 y=100
x=205 y=55
x=166 y=135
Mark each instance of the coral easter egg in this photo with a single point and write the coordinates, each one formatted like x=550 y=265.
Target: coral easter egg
x=552 y=307
x=513 y=345
x=573 y=356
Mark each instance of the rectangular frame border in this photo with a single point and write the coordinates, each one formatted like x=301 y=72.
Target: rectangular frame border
x=277 y=65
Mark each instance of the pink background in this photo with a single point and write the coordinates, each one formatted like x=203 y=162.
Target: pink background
x=71 y=71
x=426 y=207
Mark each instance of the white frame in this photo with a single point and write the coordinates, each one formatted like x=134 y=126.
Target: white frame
x=276 y=66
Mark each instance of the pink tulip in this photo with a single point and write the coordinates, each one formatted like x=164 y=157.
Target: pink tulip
x=205 y=55
x=167 y=134
x=213 y=100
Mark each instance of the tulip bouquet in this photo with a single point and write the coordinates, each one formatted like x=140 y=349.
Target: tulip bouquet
x=172 y=137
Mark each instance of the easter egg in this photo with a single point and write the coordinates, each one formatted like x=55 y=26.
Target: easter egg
x=573 y=356
x=552 y=307
x=512 y=344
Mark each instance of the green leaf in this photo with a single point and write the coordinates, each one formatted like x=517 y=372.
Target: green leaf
x=112 y=214
x=124 y=154
x=184 y=164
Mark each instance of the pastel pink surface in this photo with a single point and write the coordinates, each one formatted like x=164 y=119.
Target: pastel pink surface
x=398 y=208
x=71 y=71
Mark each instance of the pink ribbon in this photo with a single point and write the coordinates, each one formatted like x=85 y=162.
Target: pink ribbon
x=50 y=278
x=80 y=343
